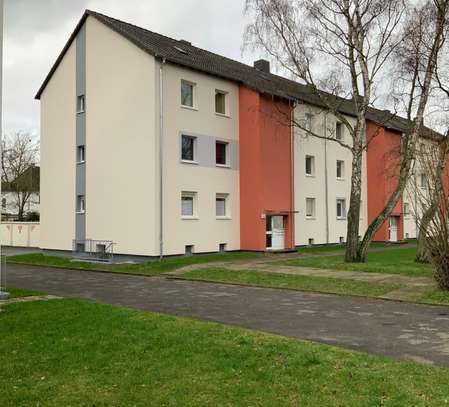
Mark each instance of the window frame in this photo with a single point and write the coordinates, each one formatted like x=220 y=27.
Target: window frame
x=308 y=121
x=343 y=201
x=339 y=135
x=406 y=209
x=193 y=197
x=342 y=170
x=423 y=177
x=225 y=198
x=312 y=165
x=81 y=204
x=226 y=144
x=225 y=102
x=78 y=155
x=194 y=148
x=313 y=215
x=193 y=86
x=81 y=104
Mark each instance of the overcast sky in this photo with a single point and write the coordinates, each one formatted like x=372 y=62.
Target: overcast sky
x=35 y=31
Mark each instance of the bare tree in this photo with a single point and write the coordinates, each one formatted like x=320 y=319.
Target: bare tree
x=20 y=152
x=354 y=40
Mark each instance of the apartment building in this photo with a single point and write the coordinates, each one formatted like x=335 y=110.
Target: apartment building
x=164 y=149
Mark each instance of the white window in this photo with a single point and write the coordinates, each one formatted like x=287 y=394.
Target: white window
x=308 y=121
x=310 y=208
x=221 y=203
x=187 y=93
x=220 y=102
x=340 y=169
x=221 y=153
x=188 y=148
x=406 y=209
x=310 y=165
x=341 y=208
x=81 y=104
x=339 y=131
x=188 y=204
x=80 y=156
x=80 y=204
x=423 y=181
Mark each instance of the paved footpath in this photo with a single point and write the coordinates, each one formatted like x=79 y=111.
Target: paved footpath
x=400 y=330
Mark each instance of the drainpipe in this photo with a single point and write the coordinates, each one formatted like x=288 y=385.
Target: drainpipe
x=292 y=176
x=161 y=159
x=326 y=186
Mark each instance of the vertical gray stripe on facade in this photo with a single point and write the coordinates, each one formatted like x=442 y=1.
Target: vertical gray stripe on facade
x=80 y=181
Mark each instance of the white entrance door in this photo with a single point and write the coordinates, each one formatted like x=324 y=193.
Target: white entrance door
x=278 y=233
x=393 y=229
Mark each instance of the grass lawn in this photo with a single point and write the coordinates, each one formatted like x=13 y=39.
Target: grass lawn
x=436 y=297
x=341 y=247
x=77 y=353
x=148 y=268
x=21 y=292
x=391 y=261
x=277 y=280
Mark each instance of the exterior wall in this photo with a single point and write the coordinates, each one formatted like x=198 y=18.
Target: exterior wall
x=20 y=234
x=266 y=168
x=383 y=166
x=57 y=189
x=323 y=185
x=205 y=231
x=120 y=142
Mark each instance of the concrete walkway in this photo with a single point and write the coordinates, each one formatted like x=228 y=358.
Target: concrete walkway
x=412 y=288
x=401 y=330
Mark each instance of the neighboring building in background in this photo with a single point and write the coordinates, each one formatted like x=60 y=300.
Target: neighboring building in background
x=23 y=191
x=165 y=149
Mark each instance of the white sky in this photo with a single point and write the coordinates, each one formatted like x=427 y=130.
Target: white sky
x=35 y=32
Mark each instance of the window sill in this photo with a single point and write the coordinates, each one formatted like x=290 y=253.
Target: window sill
x=341 y=218
x=223 y=165
x=80 y=212
x=189 y=162
x=340 y=179
x=310 y=218
x=189 y=107
x=189 y=217
x=223 y=115
x=310 y=176
x=223 y=218
x=80 y=112
x=81 y=162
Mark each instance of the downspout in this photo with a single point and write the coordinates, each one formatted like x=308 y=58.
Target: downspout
x=326 y=187
x=292 y=176
x=161 y=159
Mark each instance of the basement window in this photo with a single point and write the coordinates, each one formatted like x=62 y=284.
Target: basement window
x=311 y=241
x=189 y=249
x=341 y=239
x=222 y=247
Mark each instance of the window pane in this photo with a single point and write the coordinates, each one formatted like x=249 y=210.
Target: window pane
x=186 y=94
x=310 y=207
x=220 y=206
x=188 y=146
x=220 y=105
x=220 y=153
x=309 y=165
x=187 y=206
x=339 y=131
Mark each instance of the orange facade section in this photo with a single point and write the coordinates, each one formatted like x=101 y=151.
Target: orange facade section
x=266 y=168
x=383 y=161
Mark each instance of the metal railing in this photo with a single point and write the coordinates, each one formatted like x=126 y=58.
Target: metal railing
x=93 y=250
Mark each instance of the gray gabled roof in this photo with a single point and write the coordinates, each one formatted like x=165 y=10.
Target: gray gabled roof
x=182 y=53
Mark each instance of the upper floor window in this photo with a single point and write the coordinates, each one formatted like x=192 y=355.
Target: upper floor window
x=340 y=169
x=310 y=165
x=187 y=93
x=423 y=180
x=220 y=102
x=308 y=119
x=406 y=209
x=221 y=153
x=341 y=208
x=339 y=131
x=80 y=104
x=188 y=147
x=3 y=203
x=80 y=154
x=80 y=204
